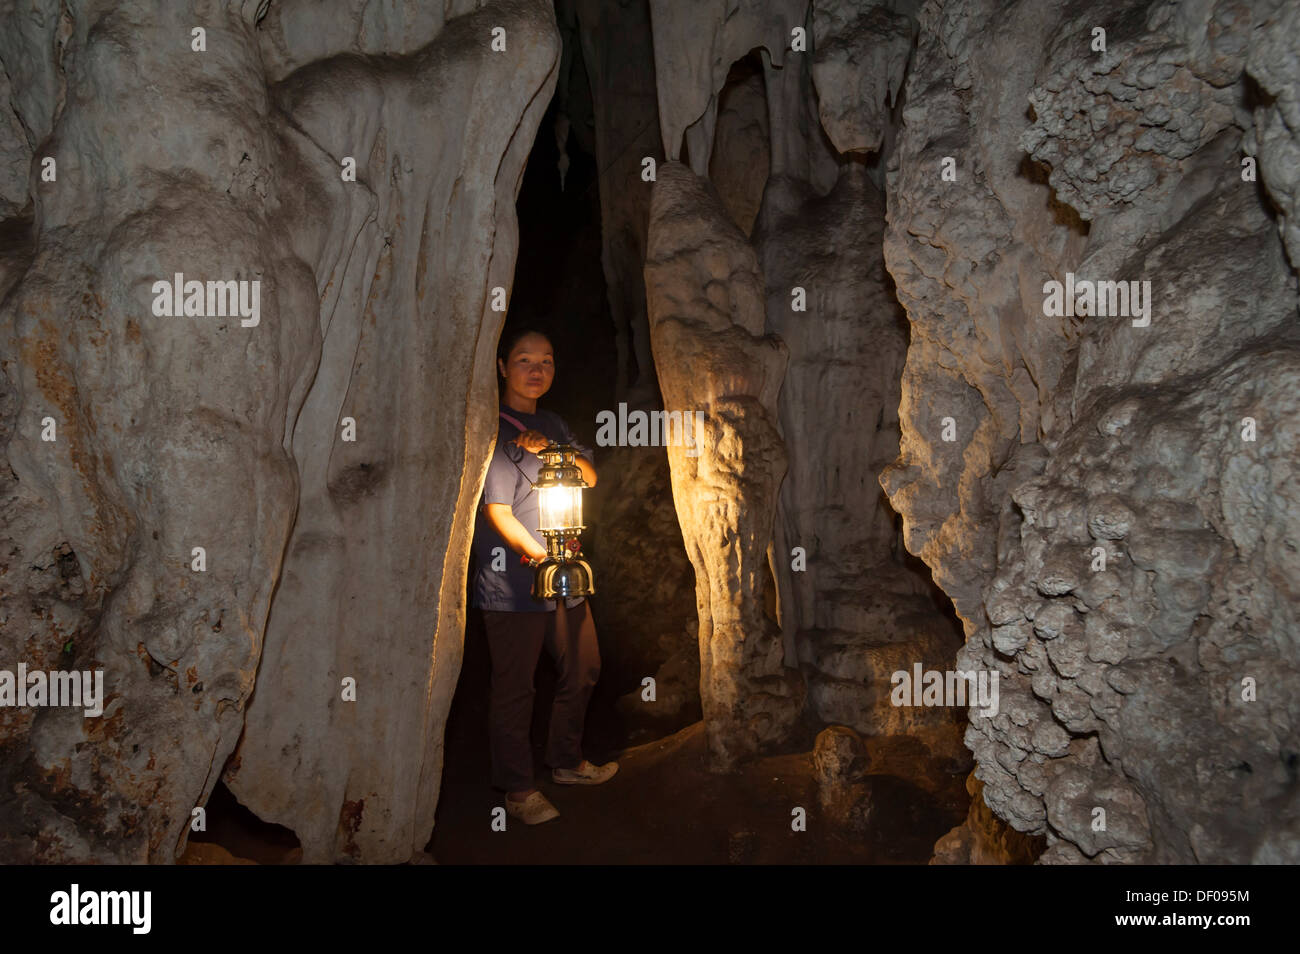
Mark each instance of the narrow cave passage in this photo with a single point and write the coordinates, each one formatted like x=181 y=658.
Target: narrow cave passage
x=982 y=317
x=887 y=792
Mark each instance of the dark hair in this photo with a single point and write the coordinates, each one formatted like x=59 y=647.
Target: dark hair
x=508 y=342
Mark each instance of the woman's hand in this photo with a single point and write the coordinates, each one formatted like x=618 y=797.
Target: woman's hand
x=533 y=441
x=505 y=522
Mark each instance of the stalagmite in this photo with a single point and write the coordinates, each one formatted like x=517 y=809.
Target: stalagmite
x=1030 y=268
x=705 y=296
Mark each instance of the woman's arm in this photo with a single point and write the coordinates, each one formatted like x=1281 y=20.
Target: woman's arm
x=512 y=531
x=588 y=471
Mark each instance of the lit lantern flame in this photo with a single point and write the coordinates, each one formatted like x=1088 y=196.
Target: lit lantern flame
x=560 y=507
x=559 y=486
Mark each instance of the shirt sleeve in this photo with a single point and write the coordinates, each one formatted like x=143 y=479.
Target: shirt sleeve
x=499 y=485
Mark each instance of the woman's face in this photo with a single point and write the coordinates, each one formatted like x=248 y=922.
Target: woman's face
x=530 y=368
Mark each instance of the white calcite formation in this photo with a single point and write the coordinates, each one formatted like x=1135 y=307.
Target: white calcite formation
x=233 y=162
x=861 y=53
x=1107 y=497
x=1117 y=519
x=851 y=614
x=259 y=532
x=705 y=296
x=694 y=48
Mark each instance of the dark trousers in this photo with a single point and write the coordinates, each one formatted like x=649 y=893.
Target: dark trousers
x=515 y=642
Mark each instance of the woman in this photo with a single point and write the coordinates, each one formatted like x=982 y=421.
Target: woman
x=517 y=625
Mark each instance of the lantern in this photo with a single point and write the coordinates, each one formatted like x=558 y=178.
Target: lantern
x=563 y=574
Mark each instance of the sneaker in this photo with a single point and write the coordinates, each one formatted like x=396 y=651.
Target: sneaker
x=533 y=810
x=584 y=774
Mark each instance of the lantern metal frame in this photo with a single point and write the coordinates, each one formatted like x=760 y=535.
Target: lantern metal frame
x=563 y=574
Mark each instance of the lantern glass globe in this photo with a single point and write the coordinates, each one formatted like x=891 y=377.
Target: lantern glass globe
x=559 y=507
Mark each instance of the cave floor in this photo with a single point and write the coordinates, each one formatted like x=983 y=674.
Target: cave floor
x=663 y=807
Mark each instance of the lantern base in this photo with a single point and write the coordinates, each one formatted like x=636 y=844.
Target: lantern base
x=563 y=578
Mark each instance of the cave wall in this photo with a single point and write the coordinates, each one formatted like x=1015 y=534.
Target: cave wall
x=624 y=112
x=1125 y=688
x=1122 y=688
x=717 y=366
x=851 y=613
x=1036 y=444
x=198 y=431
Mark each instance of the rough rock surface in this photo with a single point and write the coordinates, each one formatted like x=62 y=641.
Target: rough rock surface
x=705 y=297
x=1122 y=688
x=851 y=613
x=849 y=668
x=839 y=398
x=676 y=701
x=181 y=432
x=643 y=566
x=984 y=838
x=861 y=52
x=840 y=763
x=695 y=47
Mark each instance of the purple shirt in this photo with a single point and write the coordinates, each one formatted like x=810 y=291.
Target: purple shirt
x=509 y=481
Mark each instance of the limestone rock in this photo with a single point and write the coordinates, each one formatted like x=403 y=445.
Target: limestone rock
x=677 y=688
x=1108 y=531
x=861 y=53
x=984 y=838
x=739 y=165
x=705 y=295
x=650 y=617
x=695 y=46
x=827 y=300
x=184 y=432
x=840 y=762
